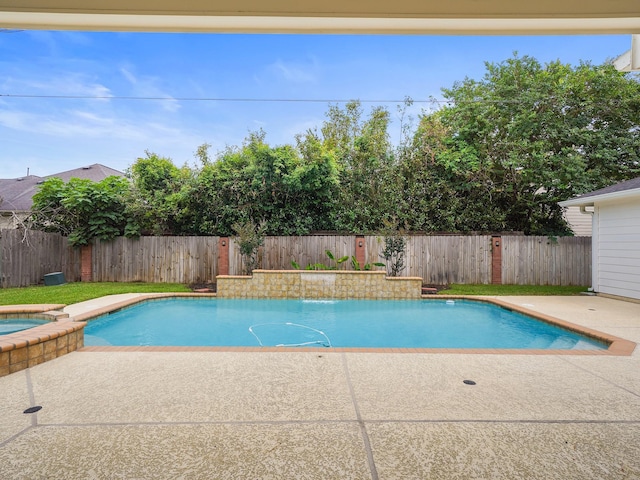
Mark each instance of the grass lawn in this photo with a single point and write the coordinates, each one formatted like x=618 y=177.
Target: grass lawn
x=459 y=289
x=79 y=292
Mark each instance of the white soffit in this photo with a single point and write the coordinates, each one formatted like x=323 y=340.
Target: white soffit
x=334 y=25
x=328 y=16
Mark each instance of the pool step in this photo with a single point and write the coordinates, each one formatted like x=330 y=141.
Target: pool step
x=57 y=314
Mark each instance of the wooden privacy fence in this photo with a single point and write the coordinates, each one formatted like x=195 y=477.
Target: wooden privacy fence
x=278 y=252
x=546 y=260
x=442 y=259
x=156 y=259
x=439 y=259
x=26 y=257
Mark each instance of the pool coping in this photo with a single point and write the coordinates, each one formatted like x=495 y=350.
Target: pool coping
x=617 y=346
x=33 y=346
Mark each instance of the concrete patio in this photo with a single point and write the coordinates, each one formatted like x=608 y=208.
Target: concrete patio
x=332 y=415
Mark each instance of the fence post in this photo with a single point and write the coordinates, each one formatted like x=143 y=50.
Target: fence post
x=360 y=250
x=223 y=256
x=496 y=260
x=86 y=259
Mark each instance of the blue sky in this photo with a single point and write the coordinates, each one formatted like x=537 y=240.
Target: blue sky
x=49 y=135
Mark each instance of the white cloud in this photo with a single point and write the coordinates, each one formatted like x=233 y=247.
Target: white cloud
x=296 y=72
x=147 y=86
x=129 y=76
x=14 y=120
x=86 y=124
x=70 y=84
x=68 y=139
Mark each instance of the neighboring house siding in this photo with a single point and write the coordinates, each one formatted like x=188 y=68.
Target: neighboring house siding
x=11 y=220
x=579 y=222
x=6 y=221
x=617 y=229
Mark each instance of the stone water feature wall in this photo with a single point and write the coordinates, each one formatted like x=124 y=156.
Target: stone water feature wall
x=318 y=284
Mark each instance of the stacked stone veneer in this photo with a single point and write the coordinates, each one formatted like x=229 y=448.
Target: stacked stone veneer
x=36 y=345
x=318 y=284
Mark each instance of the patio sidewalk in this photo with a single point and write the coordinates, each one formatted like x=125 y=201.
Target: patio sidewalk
x=332 y=415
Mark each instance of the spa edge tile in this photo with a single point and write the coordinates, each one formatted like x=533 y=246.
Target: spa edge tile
x=18 y=355
x=49 y=356
x=62 y=342
x=4 y=359
x=36 y=361
x=16 y=367
x=35 y=351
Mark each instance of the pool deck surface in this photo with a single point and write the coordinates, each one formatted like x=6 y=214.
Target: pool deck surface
x=331 y=415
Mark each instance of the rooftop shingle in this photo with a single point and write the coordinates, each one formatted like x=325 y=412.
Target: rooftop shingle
x=16 y=194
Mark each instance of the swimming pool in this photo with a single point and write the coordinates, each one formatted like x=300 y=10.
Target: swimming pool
x=13 y=325
x=459 y=324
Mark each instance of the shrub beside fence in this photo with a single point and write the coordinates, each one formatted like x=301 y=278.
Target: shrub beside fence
x=26 y=257
x=437 y=259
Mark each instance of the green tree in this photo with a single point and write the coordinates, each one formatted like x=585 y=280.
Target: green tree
x=527 y=136
x=81 y=209
x=429 y=201
x=367 y=174
x=292 y=192
x=395 y=245
x=250 y=238
x=222 y=196
x=159 y=199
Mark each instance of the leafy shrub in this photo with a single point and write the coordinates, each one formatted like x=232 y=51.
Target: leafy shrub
x=250 y=239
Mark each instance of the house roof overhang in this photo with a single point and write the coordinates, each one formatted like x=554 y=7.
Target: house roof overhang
x=590 y=201
x=485 y=17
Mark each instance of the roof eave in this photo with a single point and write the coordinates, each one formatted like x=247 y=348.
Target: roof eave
x=590 y=201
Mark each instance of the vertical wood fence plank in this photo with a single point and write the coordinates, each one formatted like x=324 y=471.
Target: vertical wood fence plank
x=25 y=257
x=539 y=260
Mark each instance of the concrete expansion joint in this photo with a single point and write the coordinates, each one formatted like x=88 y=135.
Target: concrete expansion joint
x=607 y=380
x=17 y=435
x=532 y=421
x=34 y=416
x=178 y=423
x=361 y=423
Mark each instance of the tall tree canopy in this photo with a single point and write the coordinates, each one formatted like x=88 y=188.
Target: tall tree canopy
x=498 y=155
x=158 y=201
x=527 y=136
x=82 y=209
x=291 y=193
x=365 y=161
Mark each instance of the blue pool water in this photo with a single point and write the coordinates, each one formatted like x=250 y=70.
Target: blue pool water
x=12 y=325
x=330 y=323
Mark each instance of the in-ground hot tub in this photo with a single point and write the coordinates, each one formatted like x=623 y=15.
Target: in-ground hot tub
x=53 y=335
x=17 y=324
